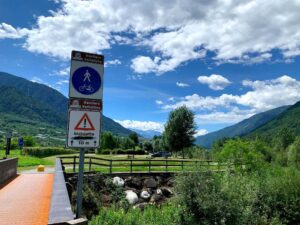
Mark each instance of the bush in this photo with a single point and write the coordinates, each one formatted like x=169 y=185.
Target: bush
x=47 y=151
x=267 y=196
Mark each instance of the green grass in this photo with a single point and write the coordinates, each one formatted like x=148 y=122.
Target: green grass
x=152 y=215
x=27 y=162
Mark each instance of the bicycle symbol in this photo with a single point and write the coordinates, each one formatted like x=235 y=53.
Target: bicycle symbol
x=85 y=87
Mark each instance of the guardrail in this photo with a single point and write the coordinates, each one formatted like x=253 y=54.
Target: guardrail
x=8 y=169
x=137 y=165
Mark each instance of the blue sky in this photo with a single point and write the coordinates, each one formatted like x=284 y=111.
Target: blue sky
x=225 y=60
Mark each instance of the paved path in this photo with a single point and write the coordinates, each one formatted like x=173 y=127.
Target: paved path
x=26 y=200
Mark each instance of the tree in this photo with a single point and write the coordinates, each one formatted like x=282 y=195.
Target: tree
x=294 y=154
x=108 y=141
x=284 y=138
x=29 y=141
x=127 y=144
x=180 y=129
x=147 y=146
x=134 y=137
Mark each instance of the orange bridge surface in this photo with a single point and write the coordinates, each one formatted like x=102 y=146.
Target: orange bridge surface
x=26 y=200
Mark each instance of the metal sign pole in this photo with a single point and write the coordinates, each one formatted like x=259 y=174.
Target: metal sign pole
x=80 y=183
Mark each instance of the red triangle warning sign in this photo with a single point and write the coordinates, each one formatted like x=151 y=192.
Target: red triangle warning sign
x=84 y=123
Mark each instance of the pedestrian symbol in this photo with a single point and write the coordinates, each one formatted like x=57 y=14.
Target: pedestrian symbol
x=84 y=123
x=87 y=76
x=86 y=80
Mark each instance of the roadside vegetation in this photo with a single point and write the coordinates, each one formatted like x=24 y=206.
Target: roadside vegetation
x=260 y=185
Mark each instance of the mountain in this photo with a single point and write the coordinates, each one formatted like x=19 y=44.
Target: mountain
x=242 y=128
x=36 y=109
x=148 y=134
x=290 y=118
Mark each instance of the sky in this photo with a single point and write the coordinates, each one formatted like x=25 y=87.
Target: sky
x=226 y=60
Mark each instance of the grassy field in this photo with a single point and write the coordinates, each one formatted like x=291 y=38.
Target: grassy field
x=157 y=164
x=27 y=162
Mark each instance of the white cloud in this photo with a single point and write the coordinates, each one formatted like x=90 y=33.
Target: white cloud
x=37 y=80
x=159 y=102
x=112 y=62
x=61 y=82
x=223 y=117
x=141 y=125
x=201 y=132
x=228 y=108
x=63 y=72
x=143 y=64
x=175 y=32
x=214 y=81
x=180 y=84
x=8 y=31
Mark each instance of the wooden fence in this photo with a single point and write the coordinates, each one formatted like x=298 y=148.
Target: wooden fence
x=137 y=165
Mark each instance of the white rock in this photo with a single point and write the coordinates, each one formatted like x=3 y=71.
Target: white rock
x=118 y=181
x=131 y=197
x=159 y=192
x=145 y=195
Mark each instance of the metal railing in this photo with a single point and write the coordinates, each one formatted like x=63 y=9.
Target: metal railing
x=93 y=163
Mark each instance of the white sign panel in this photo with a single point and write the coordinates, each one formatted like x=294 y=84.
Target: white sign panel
x=86 y=75
x=83 y=129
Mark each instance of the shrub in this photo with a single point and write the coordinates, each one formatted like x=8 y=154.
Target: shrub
x=267 y=196
x=47 y=151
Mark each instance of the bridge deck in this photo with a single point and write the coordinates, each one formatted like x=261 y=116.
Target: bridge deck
x=26 y=200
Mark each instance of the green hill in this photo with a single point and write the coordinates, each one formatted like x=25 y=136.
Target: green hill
x=242 y=128
x=30 y=108
x=290 y=118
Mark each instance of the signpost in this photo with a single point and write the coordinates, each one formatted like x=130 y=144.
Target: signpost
x=8 y=142
x=85 y=108
x=21 y=143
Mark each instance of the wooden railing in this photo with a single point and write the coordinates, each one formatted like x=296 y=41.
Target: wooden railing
x=137 y=165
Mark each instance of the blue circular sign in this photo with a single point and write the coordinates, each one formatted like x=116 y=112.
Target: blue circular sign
x=86 y=80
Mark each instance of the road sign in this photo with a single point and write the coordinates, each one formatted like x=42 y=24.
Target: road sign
x=85 y=104
x=86 y=76
x=20 y=142
x=83 y=129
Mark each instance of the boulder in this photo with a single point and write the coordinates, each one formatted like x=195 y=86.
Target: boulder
x=145 y=195
x=150 y=183
x=141 y=206
x=131 y=197
x=118 y=181
x=134 y=182
x=159 y=192
x=166 y=192
x=156 y=198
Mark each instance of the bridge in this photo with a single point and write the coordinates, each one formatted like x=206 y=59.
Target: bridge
x=34 y=198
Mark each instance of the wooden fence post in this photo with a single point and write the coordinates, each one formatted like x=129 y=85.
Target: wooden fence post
x=74 y=164
x=110 y=166
x=90 y=164
x=166 y=165
x=130 y=166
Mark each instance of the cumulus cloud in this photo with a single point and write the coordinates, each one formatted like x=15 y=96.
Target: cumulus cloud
x=214 y=81
x=112 y=62
x=201 y=132
x=141 y=125
x=228 y=108
x=8 y=31
x=180 y=84
x=174 y=32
